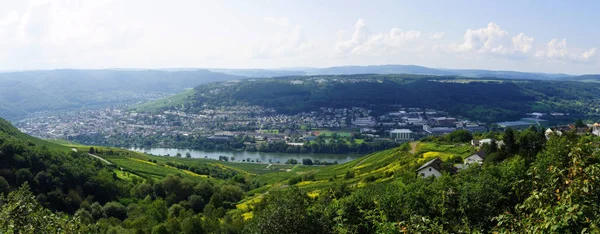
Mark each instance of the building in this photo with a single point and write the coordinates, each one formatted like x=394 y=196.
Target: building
x=402 y=135
x=364 y=122
x=515 y=124
x=437 y=131
x=596 y=129
x=475 y=128
x=431 y=168
x=475 y=158
x=444 y=121
x=481 y=142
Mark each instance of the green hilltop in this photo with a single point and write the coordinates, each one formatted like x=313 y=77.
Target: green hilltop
x=489 y=100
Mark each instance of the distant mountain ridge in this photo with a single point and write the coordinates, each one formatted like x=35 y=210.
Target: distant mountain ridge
x=22 y=93
x=25 y=92
x=392 y=69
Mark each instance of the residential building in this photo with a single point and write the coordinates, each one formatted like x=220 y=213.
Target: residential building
x=596 y=129
x=475 y=158
x=431 y=168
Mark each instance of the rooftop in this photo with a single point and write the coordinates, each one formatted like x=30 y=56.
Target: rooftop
x=401 y=131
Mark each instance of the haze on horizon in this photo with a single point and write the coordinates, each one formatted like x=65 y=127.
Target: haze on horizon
x=531 y=36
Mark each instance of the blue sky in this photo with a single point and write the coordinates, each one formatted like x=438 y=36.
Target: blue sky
x=535 y=36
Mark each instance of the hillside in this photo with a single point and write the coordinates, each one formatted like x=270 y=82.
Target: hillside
x=488 y=100
x=584 y=78
x=379 y=193
x=22 y=93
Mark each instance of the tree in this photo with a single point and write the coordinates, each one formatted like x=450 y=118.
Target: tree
x=285 y=212
x=178 y=155
x=579 y=124
x=114 y=209
x=21 y=213
x=530 y=143
x=4 y=187
x=459 y=136
x=565 y=200
x=510 y=143
x=92 y=151
x=291 y=161
x=307 y=161
x=188 y=155
x=192 y=225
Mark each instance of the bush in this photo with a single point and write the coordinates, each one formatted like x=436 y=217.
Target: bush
x=294 y=180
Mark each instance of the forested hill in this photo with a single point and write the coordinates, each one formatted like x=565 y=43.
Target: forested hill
x=487 y=100
x=22 y=93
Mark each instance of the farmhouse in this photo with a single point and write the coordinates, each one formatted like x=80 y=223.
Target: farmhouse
x=475 y=158
x=596 y=129
x=431 y=168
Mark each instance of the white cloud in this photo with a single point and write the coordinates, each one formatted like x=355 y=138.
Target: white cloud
x=363 y=42
x=437 y=35
x=279 y=21
x=493 y=41
x=522 y=43
x=291 y=43
x=484 y=40
x=62 y=32
x=558 y=50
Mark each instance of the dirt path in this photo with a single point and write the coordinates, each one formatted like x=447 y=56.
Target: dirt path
x=413 y=147
x=361 y=161
x=101 y=159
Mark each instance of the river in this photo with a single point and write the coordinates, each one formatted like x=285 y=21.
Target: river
x=244 y=155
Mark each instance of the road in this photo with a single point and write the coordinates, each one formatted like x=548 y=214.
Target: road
x=95 y=156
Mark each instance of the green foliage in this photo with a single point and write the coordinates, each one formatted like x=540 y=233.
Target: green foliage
x=21 y=213
x=285 y=212
x=459 y=136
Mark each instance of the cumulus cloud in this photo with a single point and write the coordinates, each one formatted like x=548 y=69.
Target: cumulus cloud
x=558 y=50
x=364 y=42
x=490 y=39
x=522 y=43
x=279 y=21
x=494 y=41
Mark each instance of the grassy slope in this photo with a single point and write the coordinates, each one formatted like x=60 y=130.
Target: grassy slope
x=172 y=101
x=8 y=128
x=371 y=170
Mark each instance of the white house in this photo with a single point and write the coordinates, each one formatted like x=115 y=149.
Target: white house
x=596 y=129
x=431 y=168
x=481 y=142
x=475 y=158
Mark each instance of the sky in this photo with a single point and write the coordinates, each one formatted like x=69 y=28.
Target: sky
x=519 y=35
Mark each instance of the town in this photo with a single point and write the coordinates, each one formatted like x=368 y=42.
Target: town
x=256 y=126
